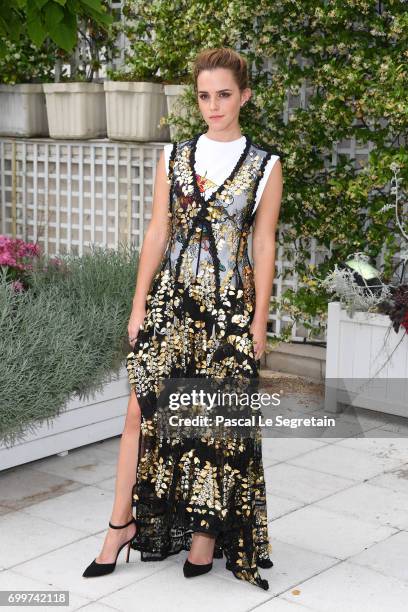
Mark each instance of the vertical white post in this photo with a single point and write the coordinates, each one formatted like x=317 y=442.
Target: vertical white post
x=104 y=202
x=69 y=197
x=142 y=196
x=57 y=198
x=46 y=210
x=332 y=356
x=116 y=194
x=35 y=191
x=129 y=194
x=24 y=190
x=3 y=189
x=92 y=194
x=81 y=198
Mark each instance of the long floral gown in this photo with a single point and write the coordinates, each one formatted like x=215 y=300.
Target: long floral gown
x=198 y=312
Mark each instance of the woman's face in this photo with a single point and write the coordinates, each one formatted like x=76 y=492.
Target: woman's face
x=219 y=98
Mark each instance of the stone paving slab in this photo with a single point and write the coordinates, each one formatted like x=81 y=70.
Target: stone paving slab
x=337 y=517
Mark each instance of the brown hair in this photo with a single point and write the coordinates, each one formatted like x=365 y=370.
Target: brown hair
x=222 y=57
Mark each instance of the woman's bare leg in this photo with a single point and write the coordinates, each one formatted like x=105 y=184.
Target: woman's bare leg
x=202 y=549
x=125 y=479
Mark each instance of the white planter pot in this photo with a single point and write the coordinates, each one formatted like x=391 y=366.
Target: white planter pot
x=357 y=349
x=83 y=421
x=76 y=110
x=23 y=111
x=174 y=106
x=134 y=111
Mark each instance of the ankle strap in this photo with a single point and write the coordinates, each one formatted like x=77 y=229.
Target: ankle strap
x=132 y=520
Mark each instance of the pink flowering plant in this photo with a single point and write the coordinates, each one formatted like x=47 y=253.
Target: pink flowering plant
x=17 y=258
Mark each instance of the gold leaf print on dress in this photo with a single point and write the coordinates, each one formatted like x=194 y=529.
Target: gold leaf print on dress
x=198 y=315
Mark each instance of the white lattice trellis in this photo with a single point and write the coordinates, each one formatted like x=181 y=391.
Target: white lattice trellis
x=69 y=195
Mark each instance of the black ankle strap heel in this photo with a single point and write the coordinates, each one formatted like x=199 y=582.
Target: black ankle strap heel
x=132 y=520
x=101 y=569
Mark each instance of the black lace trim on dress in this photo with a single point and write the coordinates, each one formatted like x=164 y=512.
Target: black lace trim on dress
x=200 y=200
x=170 y=180
x=171 y=161
x=227 y=181
x=261 y=172
x=248 y=216
x=204 y=203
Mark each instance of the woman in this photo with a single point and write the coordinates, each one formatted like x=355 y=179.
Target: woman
x=202 y=314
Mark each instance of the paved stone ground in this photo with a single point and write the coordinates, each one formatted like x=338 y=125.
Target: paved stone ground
x=337 y=510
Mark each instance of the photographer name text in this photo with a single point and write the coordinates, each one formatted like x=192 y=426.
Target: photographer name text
x=255 y=420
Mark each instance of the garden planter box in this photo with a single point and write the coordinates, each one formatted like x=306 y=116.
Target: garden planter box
x=172 y=93
x=357 y=348
x=134 y=111
x=100 y=416
x=23 y=110
x=76 y=110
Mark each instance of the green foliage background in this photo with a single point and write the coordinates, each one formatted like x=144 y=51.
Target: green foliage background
x=37 y=20
x=24 y=62
x=352 y=55
x=35 y=34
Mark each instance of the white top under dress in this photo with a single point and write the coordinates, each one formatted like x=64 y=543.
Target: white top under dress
x=215 y=160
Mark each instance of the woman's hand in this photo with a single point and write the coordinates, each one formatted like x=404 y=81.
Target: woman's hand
x=258 y=330
x=136 y=319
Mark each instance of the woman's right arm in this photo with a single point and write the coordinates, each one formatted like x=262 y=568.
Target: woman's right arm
x=154 y=244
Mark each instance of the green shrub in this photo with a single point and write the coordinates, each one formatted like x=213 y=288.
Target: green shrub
x=66 y=334
x=24 y=62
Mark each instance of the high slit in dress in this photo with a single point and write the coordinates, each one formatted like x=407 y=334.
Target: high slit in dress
x=198 y=312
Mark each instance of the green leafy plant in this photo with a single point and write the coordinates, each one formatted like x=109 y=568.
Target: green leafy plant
x=96 y=47
x=24 y=62
x=41 y=19
x=56 y=40
x=164 y=35
x=66 y=334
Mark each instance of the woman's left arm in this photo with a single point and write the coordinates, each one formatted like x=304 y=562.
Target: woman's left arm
x=263 y=253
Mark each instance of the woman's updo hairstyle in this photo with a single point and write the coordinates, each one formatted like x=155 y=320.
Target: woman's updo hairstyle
x=222 y=57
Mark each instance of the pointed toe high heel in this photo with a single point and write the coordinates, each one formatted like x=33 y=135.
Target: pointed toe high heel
x=192 y=569
x=101 y=569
